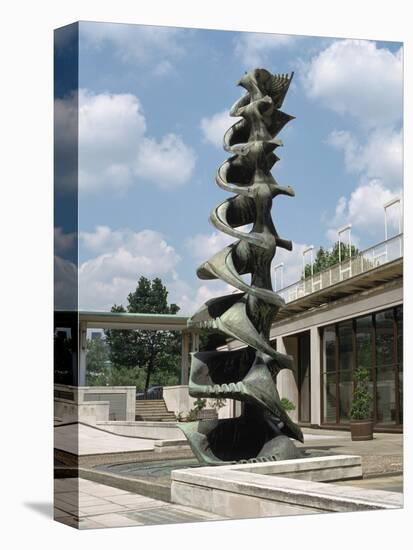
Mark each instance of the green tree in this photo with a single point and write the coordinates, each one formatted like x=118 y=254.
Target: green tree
x=327 y=258
x=157 y=353
x=98 y=363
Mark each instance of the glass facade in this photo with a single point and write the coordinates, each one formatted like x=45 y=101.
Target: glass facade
x=374 y=342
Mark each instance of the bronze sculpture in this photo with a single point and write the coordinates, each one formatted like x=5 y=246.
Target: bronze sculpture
x=264 y=430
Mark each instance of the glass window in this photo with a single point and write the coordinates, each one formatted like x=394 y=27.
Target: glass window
x=386 y=403
x=399 y=322
x=386 y=396
x=329 y=398
x=384 y=338
x=364 y=342
x=329 y=344
x=345 y=394
x=345 y=338
x=381 y=355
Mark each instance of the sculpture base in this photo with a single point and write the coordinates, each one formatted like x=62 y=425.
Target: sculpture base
x=242 y=439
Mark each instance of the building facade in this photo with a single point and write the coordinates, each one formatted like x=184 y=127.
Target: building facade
x=346 y=317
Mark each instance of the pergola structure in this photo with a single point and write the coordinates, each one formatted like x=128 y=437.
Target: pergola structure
x=135 y=321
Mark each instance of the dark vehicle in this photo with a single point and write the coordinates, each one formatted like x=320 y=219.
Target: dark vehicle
x=154 y=392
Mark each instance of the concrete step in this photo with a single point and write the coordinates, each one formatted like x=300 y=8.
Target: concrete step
x=153 y=410
x=149 y=411
x=149 y=401
x=155 y=418
x=149 y=407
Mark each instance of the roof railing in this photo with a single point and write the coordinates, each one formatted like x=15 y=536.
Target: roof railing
x=371 y=258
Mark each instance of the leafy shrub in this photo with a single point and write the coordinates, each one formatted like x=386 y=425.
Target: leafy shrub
x=199 y=404
x=287 y=405
x=362 y=398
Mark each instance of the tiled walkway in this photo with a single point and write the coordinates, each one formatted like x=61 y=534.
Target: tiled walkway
x=103 y=506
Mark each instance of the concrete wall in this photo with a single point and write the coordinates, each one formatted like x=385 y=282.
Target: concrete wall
x=89 y=412
x=80 y=398
x=287 y=380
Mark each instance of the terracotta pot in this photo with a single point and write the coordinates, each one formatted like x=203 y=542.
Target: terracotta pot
x=361 y=430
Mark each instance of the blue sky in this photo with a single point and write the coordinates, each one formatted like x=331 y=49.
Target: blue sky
x=153 y=110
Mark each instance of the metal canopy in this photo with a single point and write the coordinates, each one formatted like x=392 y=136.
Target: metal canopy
x=137 y=321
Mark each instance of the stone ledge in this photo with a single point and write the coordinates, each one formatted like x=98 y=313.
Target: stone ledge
x=167 y=445
x=257 y=490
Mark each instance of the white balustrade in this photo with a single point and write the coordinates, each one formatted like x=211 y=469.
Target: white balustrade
x=375 y=256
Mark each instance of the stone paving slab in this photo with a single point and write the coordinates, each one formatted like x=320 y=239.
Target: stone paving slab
x=96 y=506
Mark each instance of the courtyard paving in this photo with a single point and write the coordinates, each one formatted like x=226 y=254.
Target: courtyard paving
x=89 y=505
x=98 y=505
x=380 y=456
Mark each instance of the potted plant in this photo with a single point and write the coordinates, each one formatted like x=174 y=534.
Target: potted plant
x=287 y=405
x=361 y=423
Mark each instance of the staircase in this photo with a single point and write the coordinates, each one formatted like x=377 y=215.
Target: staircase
x=153 y=410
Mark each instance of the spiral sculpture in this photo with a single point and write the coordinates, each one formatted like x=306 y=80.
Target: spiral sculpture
x=264 y=430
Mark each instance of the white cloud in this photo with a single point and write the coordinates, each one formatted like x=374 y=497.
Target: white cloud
x=168 y=163
x=65 y=284
x=362 y=82
x=163 y=68
x=364 y=210
x=122 y=257
x=65 y=143
x=379 y=166
x=357 y=78
x=63 y=242
x=203 y=246
x=190 y=298
x=214 y=127
x=380 y=157
x=111 y=126
x=141 y=44
x=114 y=149
x=255 y=49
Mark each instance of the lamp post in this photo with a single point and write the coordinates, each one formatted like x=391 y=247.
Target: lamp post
x=305 y=251
x=279 y=267
x=339 y=233
x=386 y=206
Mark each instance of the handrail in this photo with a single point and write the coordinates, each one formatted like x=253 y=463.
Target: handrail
x=370 y=258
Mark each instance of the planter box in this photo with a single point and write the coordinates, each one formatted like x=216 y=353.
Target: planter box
x=361 y=430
